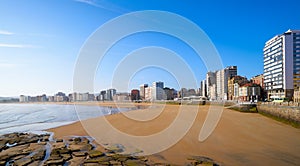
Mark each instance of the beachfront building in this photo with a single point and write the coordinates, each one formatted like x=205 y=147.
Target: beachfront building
x=60 y=97
x=259 y=80
x=233 y=85
x=110 y=93
x=222 y=77
x=121 y=97
x=135 y=95
x=217 y=83
x=297 y=95
x=282 y=64
x=142 y=91
x=249 y=92
x=203 y=90
x=169 y=93
x=148 y=94
x=157 y=90
x=23 y=98
x=211 y=85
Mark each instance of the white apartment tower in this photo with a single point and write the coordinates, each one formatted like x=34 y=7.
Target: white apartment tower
x=222 y=77
x=157 y=90
x=282 y=64
x=142 y=91
x=210 y=85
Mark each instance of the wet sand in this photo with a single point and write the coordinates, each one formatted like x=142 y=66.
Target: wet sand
x=239 y=138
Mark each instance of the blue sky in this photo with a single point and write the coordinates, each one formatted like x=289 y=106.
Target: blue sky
x=40 y=40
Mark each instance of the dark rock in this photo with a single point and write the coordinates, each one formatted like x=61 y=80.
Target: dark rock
x=14 y=151
x=55 y=162
x=23 y=161
x=98 y=160
x=59 y=140
x=45 y=138
x=115 y=163
x=18 y=157
x=121 y=158
x=2 y=162
x=90 y=164
x=117 y=148
x=80 y=147
x=77 y=140
x=201 y=160
x=66 y=157
x=58 y=145
x=95 y=153
x=39 y=155
x=79 y=154
x=35 y=163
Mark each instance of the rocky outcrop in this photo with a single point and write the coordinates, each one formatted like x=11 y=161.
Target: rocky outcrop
x=32 y=149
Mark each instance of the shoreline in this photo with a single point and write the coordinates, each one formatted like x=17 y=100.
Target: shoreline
x=239 y=139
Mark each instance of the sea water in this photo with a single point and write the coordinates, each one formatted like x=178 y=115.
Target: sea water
x=37 y=117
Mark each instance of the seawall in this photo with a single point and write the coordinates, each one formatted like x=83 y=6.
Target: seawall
x=285 y=111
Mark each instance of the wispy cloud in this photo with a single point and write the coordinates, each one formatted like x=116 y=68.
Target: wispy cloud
x=3 y=32
x=7 y=65
x=89 y=2
x=17 y=45
x=104 y=5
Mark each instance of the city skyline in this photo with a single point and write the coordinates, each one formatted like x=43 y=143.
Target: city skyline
x=39 y=45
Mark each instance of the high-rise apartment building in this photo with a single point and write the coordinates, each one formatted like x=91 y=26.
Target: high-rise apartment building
x=157 y=90
x=282 y=64
x=210 y=84
x=142 y=91
x=110 y=93
x=203 y=89
x=222 y=77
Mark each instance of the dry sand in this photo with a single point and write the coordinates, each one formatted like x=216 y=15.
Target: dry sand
x=239 y=138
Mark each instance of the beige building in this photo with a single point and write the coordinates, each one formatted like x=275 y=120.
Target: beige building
x=249 y=92
x=231 y=86
x=297 y=95
x=142 y=91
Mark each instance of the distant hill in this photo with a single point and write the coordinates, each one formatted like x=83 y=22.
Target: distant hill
x=8 y=99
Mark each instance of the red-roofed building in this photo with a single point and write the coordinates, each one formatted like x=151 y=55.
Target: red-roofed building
x=249 y=92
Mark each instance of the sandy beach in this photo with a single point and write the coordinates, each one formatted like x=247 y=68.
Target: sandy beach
x=239 y=138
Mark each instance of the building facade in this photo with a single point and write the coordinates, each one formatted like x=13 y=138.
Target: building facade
x=233 y=85
x=148 y=95
x=282 y=64
x=249 y=92
x=210 y=83
x=203 y=89
x=222 y=77
x=135 y=95
x=157 y=90
x=297 y=95
x=142 y=91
